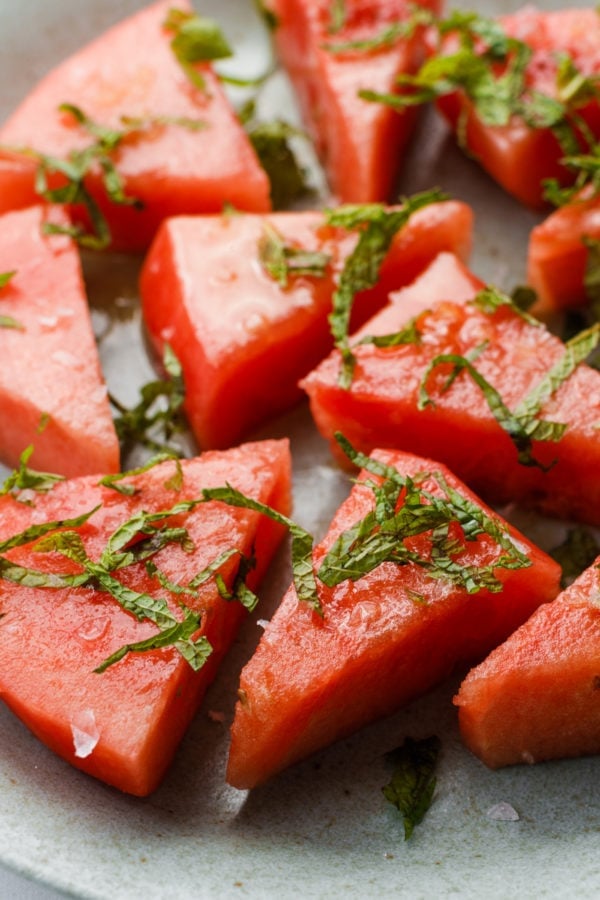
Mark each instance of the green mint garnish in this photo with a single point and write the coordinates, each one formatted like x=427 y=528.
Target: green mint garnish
x=413 y=782
x=282 y=261
x=337 y=16
x=8 y=321
x=302 y=541
x=577 y=552
x=5 y=277
x=387 y=37
x=23 y=478
x=196 y=39
x=377 y=227
x=160 y=410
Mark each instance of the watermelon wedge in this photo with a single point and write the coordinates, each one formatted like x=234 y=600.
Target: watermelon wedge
x=52 y=393
x=536 y=696
x=188 y=154
x=329 y=62
x=123 y=725
x=243 y=338
x=485 y=389
x=388 y=635
x=557 y=255
x=517 y=139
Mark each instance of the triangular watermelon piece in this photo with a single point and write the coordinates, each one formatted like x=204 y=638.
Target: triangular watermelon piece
x=536 y=696
x=518 y=155
x=244 y=339
x=404 y=396
x=52 y=393
x=389 y=635
x=558 y=255
x=360 y=143
x=124 y=724
x=167 y=165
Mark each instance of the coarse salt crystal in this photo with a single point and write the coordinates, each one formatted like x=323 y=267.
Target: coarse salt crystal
x=85 y=733
x=262 y=623
x=503 y=812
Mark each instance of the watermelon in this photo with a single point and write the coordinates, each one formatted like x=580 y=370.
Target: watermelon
x=49 y=350
x=123 y=725
x=557 y=255
x=518 y=156
x=536 y=696
x=232 y=325
x=385 y=637
x=188 y=155
x=360 y=143
x=453 y=420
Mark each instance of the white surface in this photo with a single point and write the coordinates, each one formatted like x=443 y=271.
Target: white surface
x=321 y=829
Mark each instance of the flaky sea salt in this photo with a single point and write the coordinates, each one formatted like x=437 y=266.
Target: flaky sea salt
x=85 y=733
x=503 y=812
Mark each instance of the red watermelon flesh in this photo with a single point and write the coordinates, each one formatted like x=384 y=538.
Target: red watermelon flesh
x=52 y=393
x=383 y=639
x=131 y=71
x=123 y=726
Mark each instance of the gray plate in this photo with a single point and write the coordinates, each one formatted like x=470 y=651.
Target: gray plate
x=321 y=829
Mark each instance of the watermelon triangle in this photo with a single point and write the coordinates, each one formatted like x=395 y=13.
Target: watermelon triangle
x=513 y=354
x=130 y=71
x=360 y=143
x=51 y=350
x=384 y=638
x=124 y=724
x=536 y=696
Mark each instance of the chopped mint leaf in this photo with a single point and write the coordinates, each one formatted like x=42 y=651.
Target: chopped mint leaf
x=337 y=16
x=410 y=334
x=5 y=278
x=9 y=322
x=196 y=39
x=160 y=410
x=377 y=226
x=271 y=142
x=490 y=299
x=577 y=552
x=267 y=15
x=281 y=261
x=523 y=297
x=114 y=481
x=23 y=478
x=302 y=541
x=385 y=38
x=413 y=782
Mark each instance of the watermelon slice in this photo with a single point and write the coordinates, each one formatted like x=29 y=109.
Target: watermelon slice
x=536 y=696
x=243 y=338
x=558 y=255
x=400 y=398
x=360 y=143
x=52 y=393
x=518 y=155
x=189 y=153
x=124 y=724
x=385 y=637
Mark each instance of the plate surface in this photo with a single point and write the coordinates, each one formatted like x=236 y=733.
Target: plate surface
x=322 y=828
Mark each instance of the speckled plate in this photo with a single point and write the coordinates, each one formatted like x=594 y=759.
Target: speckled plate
x=321 y=829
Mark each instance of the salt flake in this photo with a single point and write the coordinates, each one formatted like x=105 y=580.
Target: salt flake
x=503 y=812
x=85 y=733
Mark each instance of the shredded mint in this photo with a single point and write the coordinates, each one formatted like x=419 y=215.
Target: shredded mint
x=5 y=278
x=23 y=478
x=591 y=279
x=267 y=15
x=489 y=300
x=413 y=782
x=196 y=39
x=410 y=334
x=272 y=142
x=282 y=261
x=115 y=481
x=381 y=535
x=158 y=416
x=388 y=36
x=377 y=226
x=577 y=552
x=337 y=16
x=302 y=541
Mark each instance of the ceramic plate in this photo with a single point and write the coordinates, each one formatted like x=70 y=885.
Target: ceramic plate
x=321 y=829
